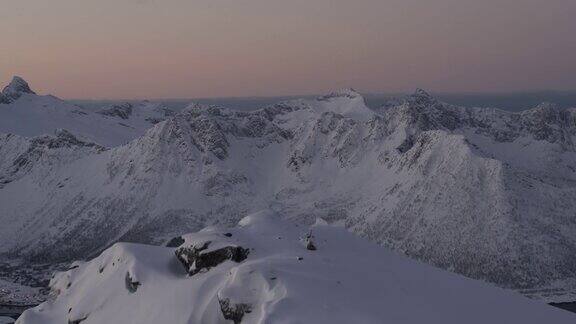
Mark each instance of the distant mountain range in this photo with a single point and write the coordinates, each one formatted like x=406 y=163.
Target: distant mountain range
x=483 y=192
x=517 y=101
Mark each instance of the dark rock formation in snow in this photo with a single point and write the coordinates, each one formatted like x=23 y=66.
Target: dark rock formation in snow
x=234 y=312
x=175 y=242
x=122 y=111
x=131 y=284
x=199 y=258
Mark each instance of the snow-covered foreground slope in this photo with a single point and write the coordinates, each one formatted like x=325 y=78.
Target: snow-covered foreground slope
x=24 y=113
x=269 y=271
x=482 y=192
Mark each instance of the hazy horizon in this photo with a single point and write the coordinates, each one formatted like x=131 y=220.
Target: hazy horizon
x=178 y=49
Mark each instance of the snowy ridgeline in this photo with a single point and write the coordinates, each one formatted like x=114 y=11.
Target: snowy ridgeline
x=23 y=112
x=270 y=271
x=482 y=192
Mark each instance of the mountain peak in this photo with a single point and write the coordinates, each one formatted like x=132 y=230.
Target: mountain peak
x=421 y=97
x=421 y=93
x=347 y=102
x=349 y=93
x=16 y=88
x=547 y=106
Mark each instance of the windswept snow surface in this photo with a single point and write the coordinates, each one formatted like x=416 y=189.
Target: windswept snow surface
x=483 y=192
x=345 y=280
x=24 y=113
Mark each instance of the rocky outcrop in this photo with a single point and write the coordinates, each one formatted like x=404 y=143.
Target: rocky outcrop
x=77 y=320
x=123 y=110
x=130 y=283
x=4 y=99
x=234 y=312
x=197 y=259
x=175 y=242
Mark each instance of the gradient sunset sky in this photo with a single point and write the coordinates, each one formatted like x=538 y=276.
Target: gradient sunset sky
x=212 y=48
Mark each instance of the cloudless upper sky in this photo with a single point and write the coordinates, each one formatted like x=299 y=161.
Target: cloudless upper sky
x=205 y=48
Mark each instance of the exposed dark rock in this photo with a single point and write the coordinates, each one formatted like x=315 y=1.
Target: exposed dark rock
x=153 y=120
x=209 y=137
x=406 y=145
x=77 y=321
x=123 y=110
x=195 y=261
x=131 y=285
x=4 y=99
x=234 y=312
x=175 y=242
x=569 y=306
x=310 y=246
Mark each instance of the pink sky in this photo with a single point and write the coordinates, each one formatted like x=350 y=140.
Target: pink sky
x=208 y=48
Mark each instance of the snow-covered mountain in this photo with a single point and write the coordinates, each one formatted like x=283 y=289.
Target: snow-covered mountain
x=482 y=192
x=270 y=271
x=24 y=113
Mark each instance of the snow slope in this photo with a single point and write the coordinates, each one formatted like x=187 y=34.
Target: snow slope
x=482 y=192
x=344 y=279
x=24 y=113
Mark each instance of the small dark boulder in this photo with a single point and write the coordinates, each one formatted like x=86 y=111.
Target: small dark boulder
x=310 y=246
x=234 y=312
x=131 y=284
x=195 y=260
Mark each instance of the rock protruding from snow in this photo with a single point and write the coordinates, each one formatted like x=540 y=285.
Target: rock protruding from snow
x=175 y=242
x=15 y=89
x=348 y=280
x=122 y=111
x=4 y=99
x=130 y=283
x=200 y=258
x=234 y=312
